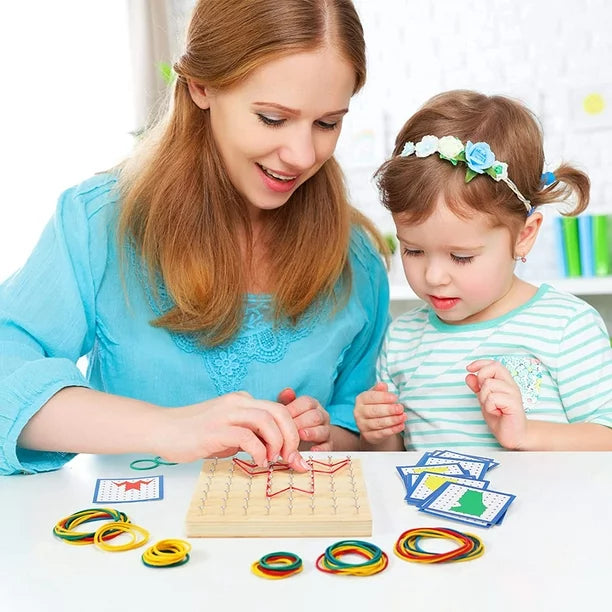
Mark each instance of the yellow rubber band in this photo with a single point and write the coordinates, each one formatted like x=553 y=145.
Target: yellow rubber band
x=255 y=569
x=130 y=528
x=166 y=552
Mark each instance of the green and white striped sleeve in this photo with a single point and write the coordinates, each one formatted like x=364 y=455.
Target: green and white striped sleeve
x=584 y=374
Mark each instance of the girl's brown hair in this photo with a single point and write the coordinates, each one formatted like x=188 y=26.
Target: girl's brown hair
x=179 y=209
x=411 y=186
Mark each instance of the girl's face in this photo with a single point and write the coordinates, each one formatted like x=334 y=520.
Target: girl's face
x=278 y=127
x=463 y=268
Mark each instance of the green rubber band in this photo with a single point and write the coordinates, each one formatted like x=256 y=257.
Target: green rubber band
x=333 y=561
x=175 y=564
x=263 y=562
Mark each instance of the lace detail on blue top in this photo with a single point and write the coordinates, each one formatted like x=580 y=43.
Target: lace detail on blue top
x=259 y=339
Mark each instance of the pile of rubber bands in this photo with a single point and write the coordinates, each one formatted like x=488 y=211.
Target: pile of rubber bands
x=166 y=553
x=331 y=560
x=277 y=565
x=408 y=546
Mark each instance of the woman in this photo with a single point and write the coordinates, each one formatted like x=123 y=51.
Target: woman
x=217 y=270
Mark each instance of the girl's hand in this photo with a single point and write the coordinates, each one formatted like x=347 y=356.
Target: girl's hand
x=310 y=419
x=225 y=425
x=378 y=415
x=500 y=400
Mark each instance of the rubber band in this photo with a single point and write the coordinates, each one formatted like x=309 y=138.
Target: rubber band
x=130 y=528
x=149 y=464
x=330 y=561
x=277 y=565
x=167 y=553
x=252 y=469
x=408 y=546
x=64 y=527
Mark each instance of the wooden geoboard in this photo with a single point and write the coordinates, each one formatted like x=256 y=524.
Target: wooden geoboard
x=234 y=498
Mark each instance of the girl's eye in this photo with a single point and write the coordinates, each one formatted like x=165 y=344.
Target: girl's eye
x=462 y=260
x=324 y=125
x=270 y=121
x=412 y=252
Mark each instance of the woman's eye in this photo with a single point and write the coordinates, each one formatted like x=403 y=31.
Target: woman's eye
x=462 y=259
x=328 y=125
x=270 y=120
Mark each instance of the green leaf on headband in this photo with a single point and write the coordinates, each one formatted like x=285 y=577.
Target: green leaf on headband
x=469 y=175
x=491 y=172
x=450 y=159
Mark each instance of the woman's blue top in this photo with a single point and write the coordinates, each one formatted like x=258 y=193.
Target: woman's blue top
x=69 y=301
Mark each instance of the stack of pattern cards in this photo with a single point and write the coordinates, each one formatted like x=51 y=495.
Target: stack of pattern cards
x=453 y=485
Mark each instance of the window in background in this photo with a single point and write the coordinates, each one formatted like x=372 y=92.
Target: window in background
x=66 y=108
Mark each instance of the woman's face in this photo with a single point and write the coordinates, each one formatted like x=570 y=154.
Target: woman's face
x=275 y=129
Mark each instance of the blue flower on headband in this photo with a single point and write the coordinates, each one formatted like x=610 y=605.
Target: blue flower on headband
x=478 y=156
x=408 y=149
x=427 y=146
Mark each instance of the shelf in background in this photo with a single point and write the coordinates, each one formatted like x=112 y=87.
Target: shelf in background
x=596 y=285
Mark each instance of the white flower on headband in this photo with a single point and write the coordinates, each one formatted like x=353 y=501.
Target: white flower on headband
x=478 y=158
x=427 y=146
x=408 y=149
x=449 y=147
x=500 y=169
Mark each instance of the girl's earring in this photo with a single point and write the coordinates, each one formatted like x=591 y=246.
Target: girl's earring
x=521 y=258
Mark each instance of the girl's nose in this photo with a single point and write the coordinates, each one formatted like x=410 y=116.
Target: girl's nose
x=436 y=274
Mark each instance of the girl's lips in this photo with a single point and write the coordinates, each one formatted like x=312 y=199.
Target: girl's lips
x=275 y=184
x=441 y=303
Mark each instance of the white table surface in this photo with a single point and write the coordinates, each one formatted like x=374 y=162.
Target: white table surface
x=552 y=552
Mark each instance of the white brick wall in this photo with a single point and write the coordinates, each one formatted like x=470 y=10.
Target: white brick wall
x=550 y=54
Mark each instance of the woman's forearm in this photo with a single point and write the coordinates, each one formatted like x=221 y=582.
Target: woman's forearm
x=81 y=420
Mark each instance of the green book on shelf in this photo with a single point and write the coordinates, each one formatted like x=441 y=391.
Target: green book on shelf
x=571 y=245
x=601 y=242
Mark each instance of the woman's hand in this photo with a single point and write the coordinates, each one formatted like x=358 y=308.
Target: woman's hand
x=225 y=425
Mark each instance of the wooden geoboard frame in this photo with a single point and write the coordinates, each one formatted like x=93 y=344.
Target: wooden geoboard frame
x=229 y=502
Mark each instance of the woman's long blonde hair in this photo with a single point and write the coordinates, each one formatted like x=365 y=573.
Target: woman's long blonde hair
x=180 y=211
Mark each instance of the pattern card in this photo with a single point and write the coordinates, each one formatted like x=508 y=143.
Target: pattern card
x=453 y=455
x=468 y=504
x=119 y=490
x=475 y=469
x=427 y=484
x=410 y=473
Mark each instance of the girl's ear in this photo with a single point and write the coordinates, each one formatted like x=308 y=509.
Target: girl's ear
x=528 y=234
x=198 y=94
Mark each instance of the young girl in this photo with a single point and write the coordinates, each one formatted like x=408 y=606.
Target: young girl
x=219 y=265
x=489 y=360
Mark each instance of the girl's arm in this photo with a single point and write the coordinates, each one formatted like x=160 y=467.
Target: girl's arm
x=584 y=383
x=567 y=437
x=391 y=443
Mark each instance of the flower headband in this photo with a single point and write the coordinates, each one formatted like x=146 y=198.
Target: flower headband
x=477 y=156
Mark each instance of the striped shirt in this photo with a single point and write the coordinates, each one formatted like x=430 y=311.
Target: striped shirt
x=555 y=345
